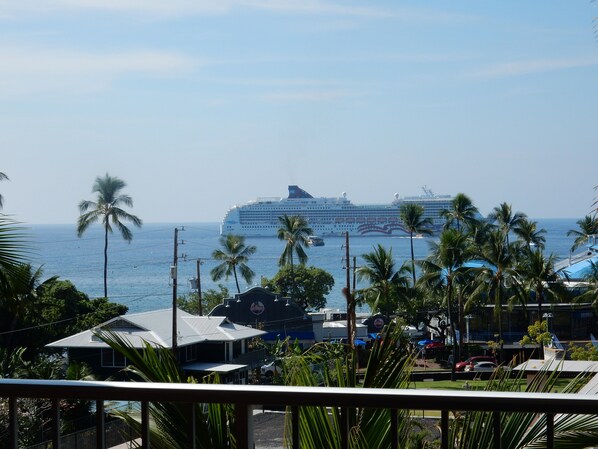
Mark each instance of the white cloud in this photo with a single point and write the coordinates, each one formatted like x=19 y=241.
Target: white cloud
x=168 y=8
x=26 y=70
x=507 y=69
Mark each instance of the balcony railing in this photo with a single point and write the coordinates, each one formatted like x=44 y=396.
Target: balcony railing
x=245 y=398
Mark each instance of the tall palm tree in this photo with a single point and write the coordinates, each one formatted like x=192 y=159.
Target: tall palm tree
x=2 y=177
x=507 y=220
x=385 y=280
x=107 y=209
x=529 y=234
x=444 y=270
x=537 y=275
x=295 y=231
x=498 y=274
x=462 y=211
x=234 y=253
x=587 y=226
x=411 y=215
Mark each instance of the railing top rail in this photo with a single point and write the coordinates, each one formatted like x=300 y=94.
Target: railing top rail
x=302 y=396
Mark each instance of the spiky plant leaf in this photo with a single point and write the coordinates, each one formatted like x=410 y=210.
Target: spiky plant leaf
x=170 y=420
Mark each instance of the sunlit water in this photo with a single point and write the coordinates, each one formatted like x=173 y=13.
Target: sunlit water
x=138 y=272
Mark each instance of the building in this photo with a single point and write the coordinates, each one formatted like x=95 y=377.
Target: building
x=206 y=344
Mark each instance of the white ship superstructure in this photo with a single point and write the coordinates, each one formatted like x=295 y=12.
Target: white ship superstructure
x=329 y=216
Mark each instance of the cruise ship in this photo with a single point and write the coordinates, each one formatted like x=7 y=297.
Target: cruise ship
x=333 y=216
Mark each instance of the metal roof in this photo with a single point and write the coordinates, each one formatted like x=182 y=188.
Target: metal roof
x=564 y=366
x=155 y=327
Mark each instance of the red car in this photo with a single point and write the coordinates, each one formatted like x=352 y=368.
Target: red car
x=460 y=366
x=434 y=345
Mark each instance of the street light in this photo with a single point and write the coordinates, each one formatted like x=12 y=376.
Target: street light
x=547 y=317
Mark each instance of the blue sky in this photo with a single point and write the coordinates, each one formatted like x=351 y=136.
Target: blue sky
x=199 y=105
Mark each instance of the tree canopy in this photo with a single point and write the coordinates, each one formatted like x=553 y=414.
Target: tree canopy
x=311 y=285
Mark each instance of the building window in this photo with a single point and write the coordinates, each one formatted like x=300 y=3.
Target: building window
x=113 y=359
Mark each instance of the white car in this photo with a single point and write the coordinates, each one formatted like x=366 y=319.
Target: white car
x=481 y=366
x=269 y=369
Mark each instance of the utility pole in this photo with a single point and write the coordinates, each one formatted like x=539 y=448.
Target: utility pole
x=173 y=275
x=199 y=288
x=349 y=295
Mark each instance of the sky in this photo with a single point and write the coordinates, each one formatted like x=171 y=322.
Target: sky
x=200 y=105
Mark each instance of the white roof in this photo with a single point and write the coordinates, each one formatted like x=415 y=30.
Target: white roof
x=155 y=327
x=565 y=366
x=214 y=367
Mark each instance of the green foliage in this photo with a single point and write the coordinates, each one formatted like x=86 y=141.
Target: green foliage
x=233 y=255
x=169 y=421
x=309 y=285
x=386 y=282
x=294 y=231
x=54 y=302
x=585 y=352
x=537 y=333
x=108 y=210
x=389 y=365
x=474 y=430
x=13 y=251
x=209 y=299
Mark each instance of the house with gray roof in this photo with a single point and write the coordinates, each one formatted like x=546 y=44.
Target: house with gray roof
x=206 y=344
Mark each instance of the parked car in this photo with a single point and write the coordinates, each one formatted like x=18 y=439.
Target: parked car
x=270 y=369
x=481 y=366
x=434 y=345
x=460 y=366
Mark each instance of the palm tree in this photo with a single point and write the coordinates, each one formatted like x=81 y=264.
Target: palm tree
x=506 y=219
x=529 y=234
x=107 y=208
x=13 y=251
x=411 y=215
x=591 y=290
x=587 y=226
x=498 y=273
x=444 y=270
x=2 y=177
x=385 y=281
x=295 y=231
x=462 y=211
x=234 y=253
x=537 y=275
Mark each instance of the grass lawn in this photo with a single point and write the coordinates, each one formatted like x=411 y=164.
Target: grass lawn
x=477 y=385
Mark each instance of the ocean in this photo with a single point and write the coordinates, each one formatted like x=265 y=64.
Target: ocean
x=139 y=272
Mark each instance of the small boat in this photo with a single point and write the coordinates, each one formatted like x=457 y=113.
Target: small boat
x=314 y=240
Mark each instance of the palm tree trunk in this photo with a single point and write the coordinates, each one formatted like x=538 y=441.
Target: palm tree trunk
x=292 y=279
x=236 y=280
x=539 y=299
x=449 y=303
x=461 y=313
x=412 y=257
x=106 y=261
